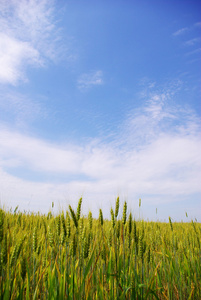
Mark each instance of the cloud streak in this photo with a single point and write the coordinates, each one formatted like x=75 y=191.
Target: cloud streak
x=192 y=42
x=181 y=31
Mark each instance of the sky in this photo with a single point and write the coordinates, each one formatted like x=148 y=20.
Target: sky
x=100 y=99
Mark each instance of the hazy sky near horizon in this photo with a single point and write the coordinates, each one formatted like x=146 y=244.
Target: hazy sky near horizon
x=101 y=99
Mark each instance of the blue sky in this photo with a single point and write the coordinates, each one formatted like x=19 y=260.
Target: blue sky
x=101 y=99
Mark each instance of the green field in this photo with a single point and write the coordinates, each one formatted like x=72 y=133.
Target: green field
x=68 y=256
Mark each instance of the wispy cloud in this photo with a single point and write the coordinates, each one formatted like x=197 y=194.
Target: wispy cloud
x=87 y=80
x=181 y=31
x=27 y=37
x=184 y=30
x=155 y=154
x=198 y=24
x=19 y=110
x=192 y=42
x=198 y=50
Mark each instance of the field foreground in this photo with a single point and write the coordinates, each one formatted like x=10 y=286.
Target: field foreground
x=69 y=256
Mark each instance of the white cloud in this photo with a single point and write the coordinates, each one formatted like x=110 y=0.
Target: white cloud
x=14 y=54
x=181 y=31
x=88 y=80
x=157 y=155
x=27 y=37
x=36 y=154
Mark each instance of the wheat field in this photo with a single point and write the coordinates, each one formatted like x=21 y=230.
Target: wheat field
x=71 y=256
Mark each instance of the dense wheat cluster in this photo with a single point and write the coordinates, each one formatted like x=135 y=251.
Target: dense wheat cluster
x=69 y=256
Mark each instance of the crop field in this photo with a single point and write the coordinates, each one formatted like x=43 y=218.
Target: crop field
x=71 y=256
